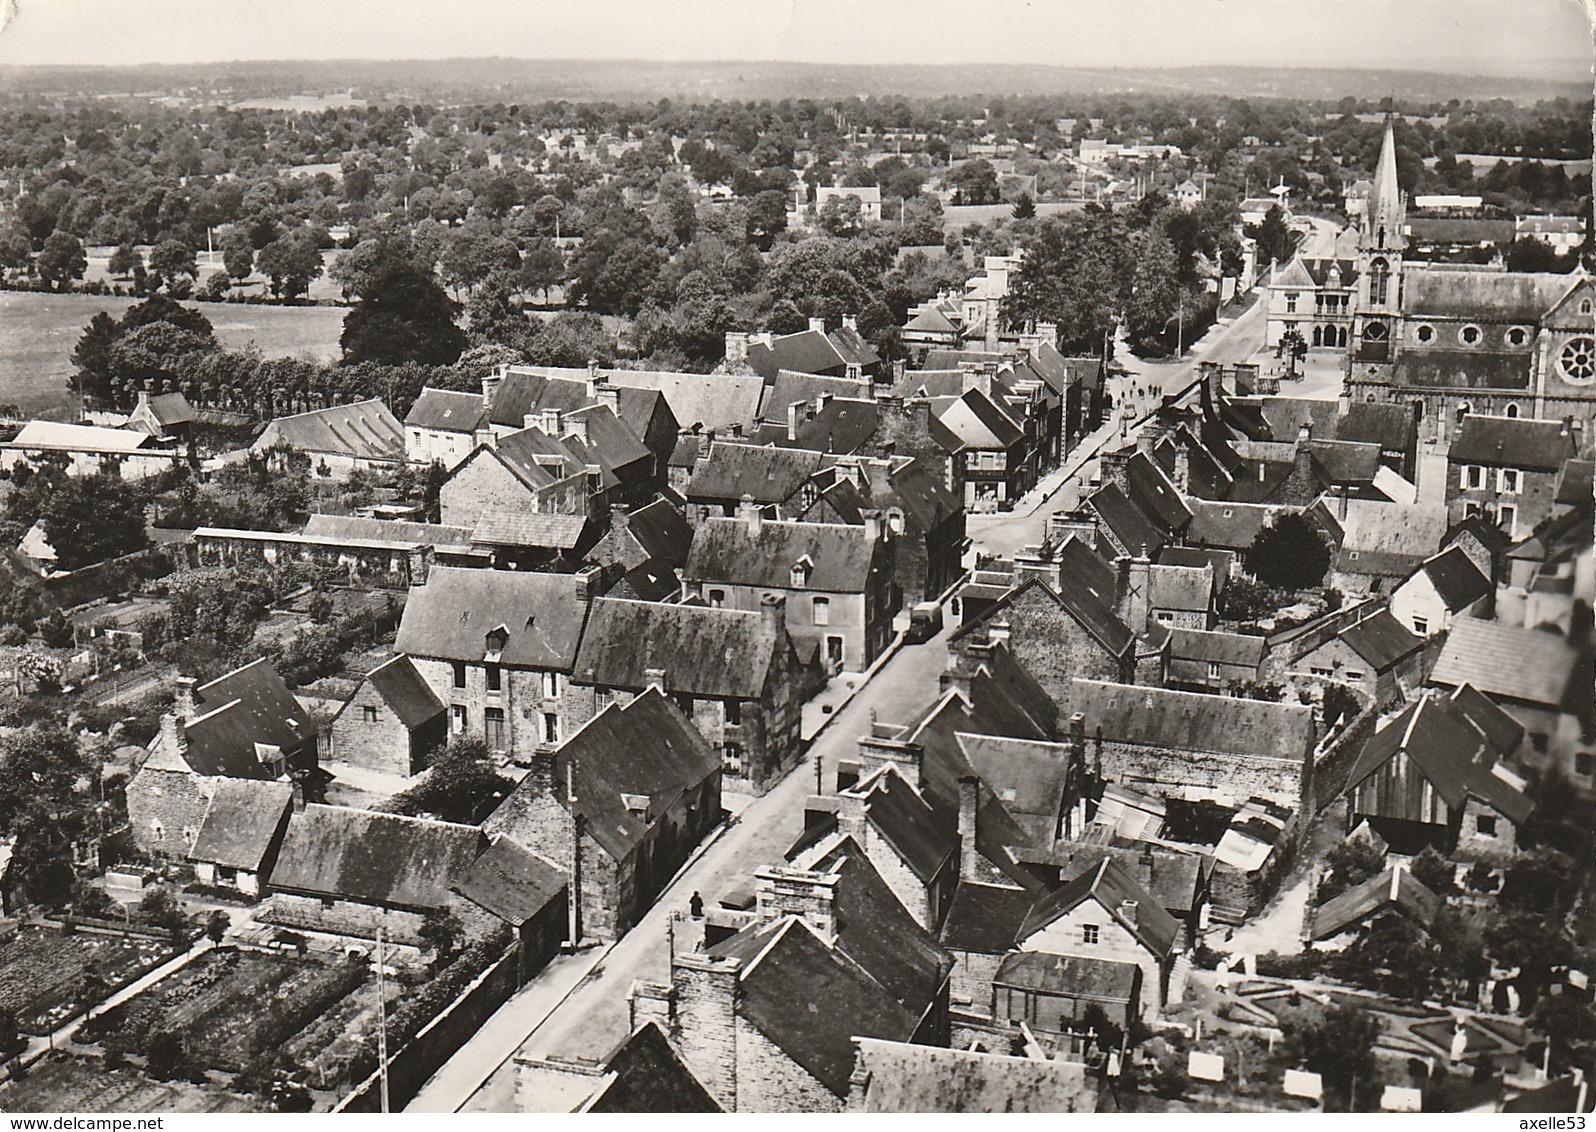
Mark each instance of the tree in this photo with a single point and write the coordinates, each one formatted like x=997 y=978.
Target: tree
x=91 y=518
x=61 y=260
x=1076 y=273
x=1288 y=554
x=291 y=262
x=1338 y=1044
x=238 y=253
x=973 y=182
x=172 y=260
x=165 y=1054
x=495 y=315
x=442 y=931
x=1349 y=864
x=542 y=266
x=841 y=216
x=1024 y=207
x=400 y=315
x=1434 y=872
x=216 y=925
x=1154 y=293
x=767 y=218
x=123 y=260
x=1273 y=236
x=461 y=785
x=92 y=355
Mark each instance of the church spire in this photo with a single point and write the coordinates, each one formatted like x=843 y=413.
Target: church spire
x=1385 y=207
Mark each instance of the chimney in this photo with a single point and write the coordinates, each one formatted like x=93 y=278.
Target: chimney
x=175 y=734
x=1182 y=469
x=143 y=401
x=1127 y=910
x=620 y=518
x=183 y=697
x=898 y=370
x=1304 y=432
x=654 y=678
x=485 y=437
x=1133 y=601
x=1567 y=428
x=872 y=525
x=648 y=1002
x=1344 y=402
x=736 y=351
x=794 y=417
x=608 y=396
x=592 y=378
x=850 y=322
x=490 y=384
x=969 y=857
x=707 y=993
x=575 y=426
x=774 y=609
x=875 y=751
x=586 y=582
x=420 y=563
x=549 y=420
x=297 y=783
x=786 y=891
x=817 y=326
x=752 y=515
x=1114 y=467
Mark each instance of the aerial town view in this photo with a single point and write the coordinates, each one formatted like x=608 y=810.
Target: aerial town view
x=797 y=557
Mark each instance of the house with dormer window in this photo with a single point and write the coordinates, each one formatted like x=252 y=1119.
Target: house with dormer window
x=837 y=579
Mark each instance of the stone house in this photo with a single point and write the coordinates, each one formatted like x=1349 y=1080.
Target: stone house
x=647 y=548
x=837 y=580
x=1445 y=586
x=523 y=891
x=521 y=472
x=735 y=675
x=442 y=426
x=393 y=723
x=1377 y=657
x=360 y=436
x=641 y=1075
x=1434 y=776
x=1209 y=661
x=767 y=1017
x=165 y=416
x=997 y=463
x=514 y=395
x=1506 y=469
x=350 y=872
x=498 y=647
x=241 y=834
x=1193 y=746
x=1375 y=545
x=779 y=481
x=619 y=806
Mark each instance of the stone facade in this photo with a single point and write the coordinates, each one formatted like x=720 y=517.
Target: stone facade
x=481 y=483
x=165 y=809
x=529 y=700
x=1067 y=935
x=367 y=733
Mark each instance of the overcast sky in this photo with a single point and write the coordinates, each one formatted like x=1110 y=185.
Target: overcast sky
x=1548 y=38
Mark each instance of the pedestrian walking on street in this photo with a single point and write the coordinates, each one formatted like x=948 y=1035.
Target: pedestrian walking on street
x=695 y=905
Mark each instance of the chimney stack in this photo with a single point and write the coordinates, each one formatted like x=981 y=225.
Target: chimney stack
x=1128 y=909
x=707 y=993
x=794 y=417
x=872 y=525
x=420 y=564
x=817 y=326
x=969 y=856
x=592 y=378
x=752 y=515
x=586 y=583
x=851 y=322
x=1133 y=596
x=490 y=384
x=786 y=891
x=183 y=697
x=774 y=609
x=654 y=678
x=736 y=351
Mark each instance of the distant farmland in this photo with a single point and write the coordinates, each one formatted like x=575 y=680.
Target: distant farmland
x=39 y=330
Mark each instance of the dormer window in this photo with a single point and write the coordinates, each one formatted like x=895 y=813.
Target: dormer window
x=495 y=640
x=801 y=570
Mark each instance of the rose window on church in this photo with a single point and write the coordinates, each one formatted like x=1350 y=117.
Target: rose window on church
x=1578 y=360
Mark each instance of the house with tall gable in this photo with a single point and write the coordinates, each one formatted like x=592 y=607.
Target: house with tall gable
x=514 y=397
x=619 y=806
x=498 y=647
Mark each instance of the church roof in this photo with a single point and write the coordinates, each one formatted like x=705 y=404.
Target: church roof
x=1385 y=194
x=1491 y=296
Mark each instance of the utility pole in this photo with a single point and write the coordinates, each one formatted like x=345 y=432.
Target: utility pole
x=382 y=1023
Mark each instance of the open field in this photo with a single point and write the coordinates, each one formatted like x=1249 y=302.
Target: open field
x=38 y=331
x=60 y=1082
x=229 y=1005
x=42 y=971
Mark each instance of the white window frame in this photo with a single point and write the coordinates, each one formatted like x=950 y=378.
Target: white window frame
x=1509 y=480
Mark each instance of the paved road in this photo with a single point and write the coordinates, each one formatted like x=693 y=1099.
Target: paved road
x=593 y=1017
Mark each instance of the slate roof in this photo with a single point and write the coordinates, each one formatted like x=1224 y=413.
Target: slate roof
x=650 y=1077
x=171 y=409
x=808 y=351
x=977 y=421
x=841 y=425
x=726 y=550
x=1390 y=424
x=534 y=458
x=658 y=530
x=403 y=689
x=374 y=858
x=1345 y=461
x=364 y=430
x=1385 y=535
x=1286 y=416
x=704 y=400
x=526 y=391
x=909 y=824
x=811 y=1001
x=1171 y=876
x=930 y=320
x=722 y=653
x=907 y=1078
x=398 y=532
x=447 y=410
x=770 y=475
x=1129 y=525
x=1027 y=776
x=1163 y=717
x=1110 y=885
x=1395 y=889
x=1511 y=442
x=1381 y=640
x=1082 y=596
x=1499 y=660
x=1230 y=525
x=1464 y=369
x=1452 y=755
x=1213 y=647
x=985 y=917
x=646 y=747
x=1574 y=483
x=1152 y=491
x=1494 y=296
x=1186 y=588
x=247 y=707
x=531 y=529
x=450 y=617
x=241 y=821
x=1503 y=731
x=1457 y=581
x=1069 y=976
x=511 y=882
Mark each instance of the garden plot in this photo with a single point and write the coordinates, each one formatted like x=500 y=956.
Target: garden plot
x=48 y=976
x=229 y=1005
x=60 y=1082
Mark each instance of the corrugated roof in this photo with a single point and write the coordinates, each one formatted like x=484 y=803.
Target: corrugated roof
x=450 y=617
x=403 y=689
x=374 y=858
x=241 y=822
